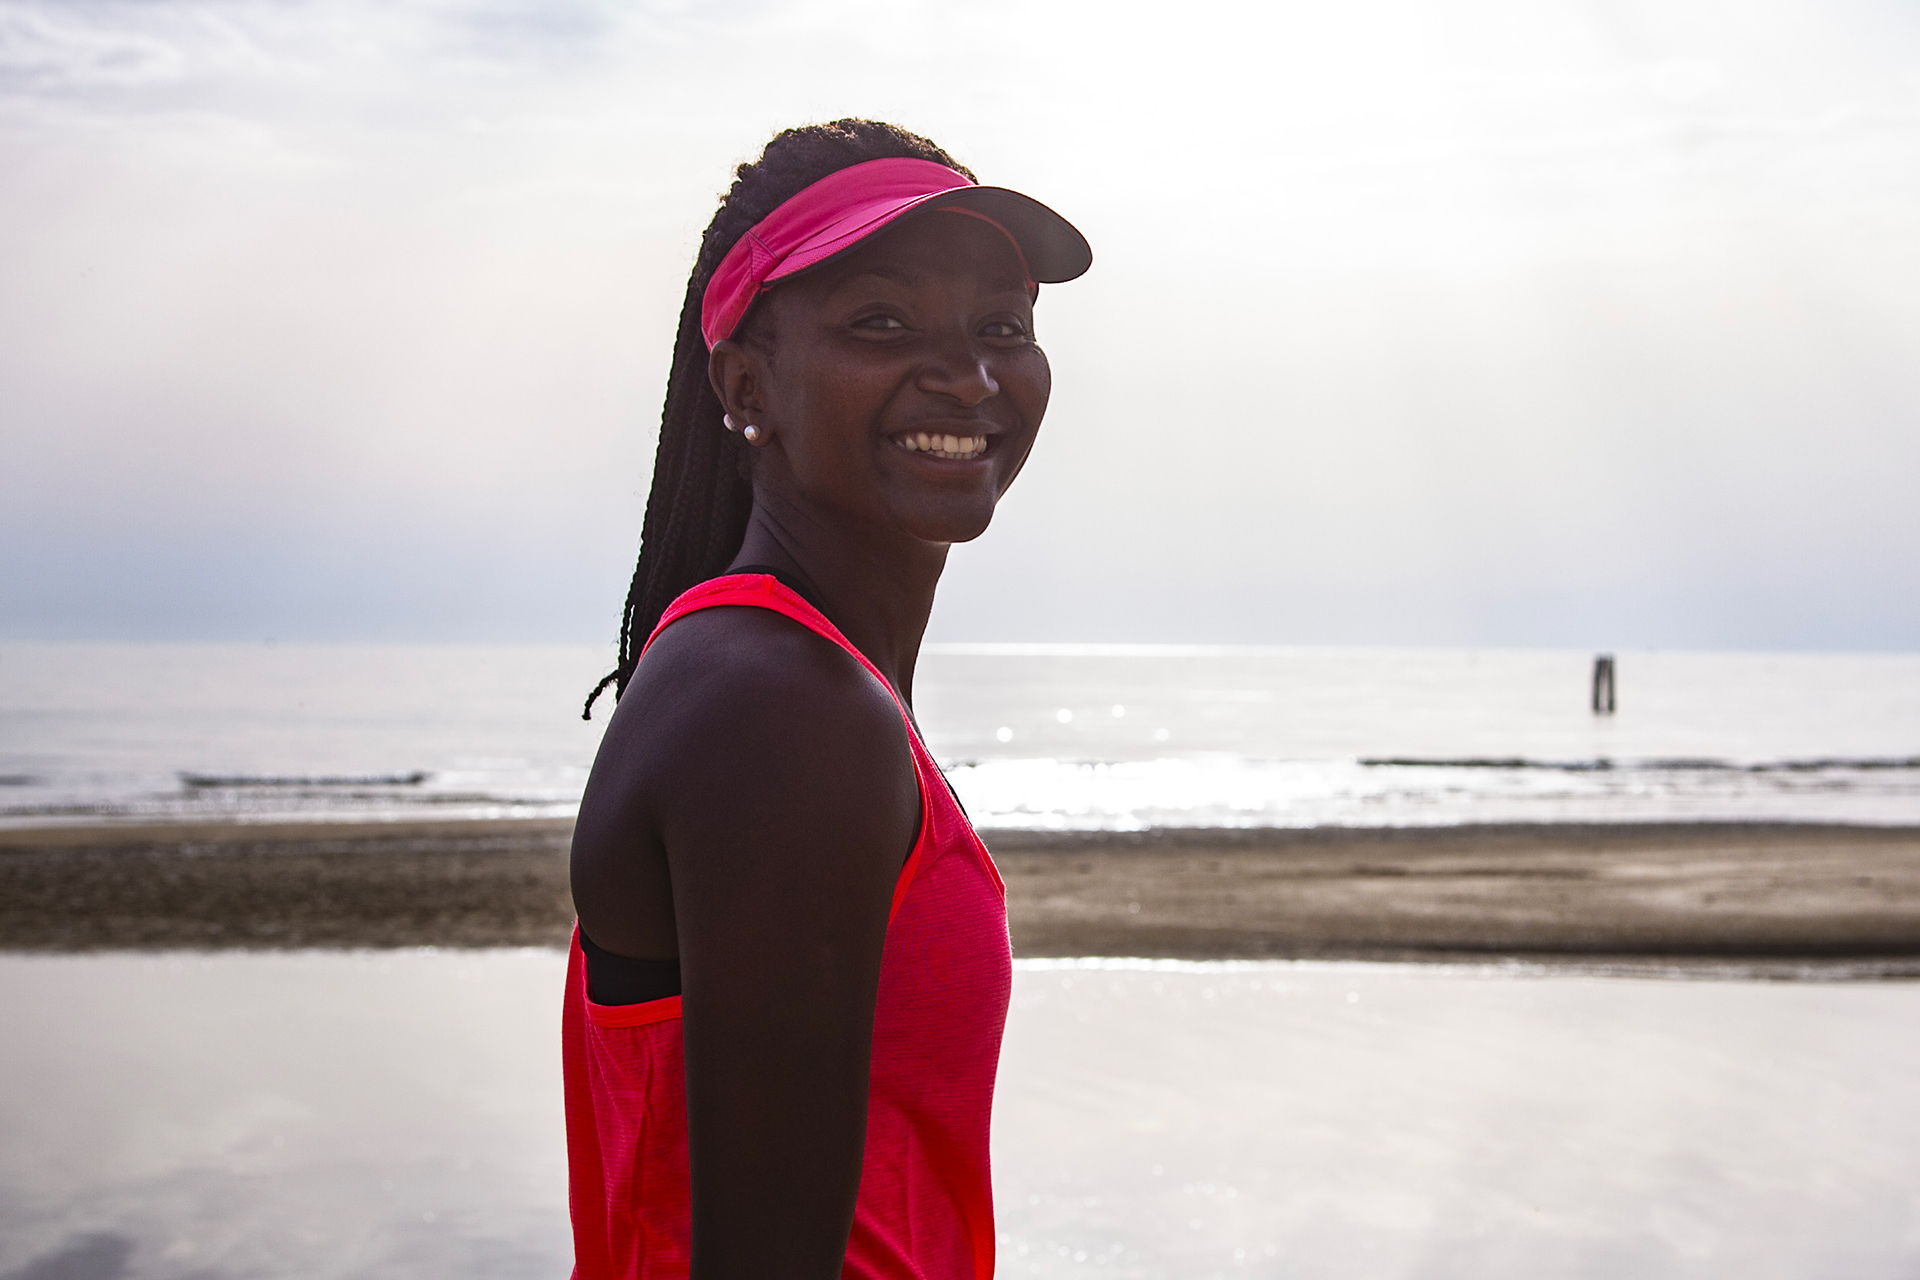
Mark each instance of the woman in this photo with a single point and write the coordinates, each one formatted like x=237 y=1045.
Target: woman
x=790 y=975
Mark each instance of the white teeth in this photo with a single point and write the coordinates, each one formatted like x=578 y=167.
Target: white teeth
x=953 y=448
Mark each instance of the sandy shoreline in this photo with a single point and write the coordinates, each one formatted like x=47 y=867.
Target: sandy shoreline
x=1769 y=896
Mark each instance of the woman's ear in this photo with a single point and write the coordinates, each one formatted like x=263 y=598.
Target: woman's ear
x=738 y=375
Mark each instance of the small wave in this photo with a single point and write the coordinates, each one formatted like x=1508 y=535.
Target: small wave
x=211 y=781
x=1820 y=764
x=17 y=779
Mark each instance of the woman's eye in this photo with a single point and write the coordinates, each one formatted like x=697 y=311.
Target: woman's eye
x=1004 y=329
x=882 y=322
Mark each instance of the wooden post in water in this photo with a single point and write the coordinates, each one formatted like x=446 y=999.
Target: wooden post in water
x=1603 y=685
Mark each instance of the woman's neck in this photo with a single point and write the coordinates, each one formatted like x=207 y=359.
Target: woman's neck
x=877 y=590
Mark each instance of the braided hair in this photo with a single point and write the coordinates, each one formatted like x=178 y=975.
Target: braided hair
x=701 y=497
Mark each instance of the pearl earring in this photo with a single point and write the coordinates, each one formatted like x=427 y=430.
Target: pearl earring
x=752 y=433
x=727 y=418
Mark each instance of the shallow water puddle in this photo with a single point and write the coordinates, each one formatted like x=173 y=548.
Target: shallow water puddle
x=1328 y=1120
x=397 y=1114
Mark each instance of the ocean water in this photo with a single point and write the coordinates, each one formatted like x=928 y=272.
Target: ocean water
x=397 y=1115
x=1051 y=737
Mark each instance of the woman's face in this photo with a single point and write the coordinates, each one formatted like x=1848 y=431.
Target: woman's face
x=899 y=387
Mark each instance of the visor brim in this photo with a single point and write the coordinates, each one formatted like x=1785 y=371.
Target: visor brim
x=1053 y=248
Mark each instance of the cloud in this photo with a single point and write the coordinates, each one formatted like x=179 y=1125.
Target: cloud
x=60 y=52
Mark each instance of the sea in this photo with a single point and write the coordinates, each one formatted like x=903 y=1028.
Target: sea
x=1048 y=737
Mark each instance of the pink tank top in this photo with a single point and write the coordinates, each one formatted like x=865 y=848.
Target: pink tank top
x=925 y=1208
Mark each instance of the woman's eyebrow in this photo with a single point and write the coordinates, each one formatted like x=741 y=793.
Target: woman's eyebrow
x=893 y=275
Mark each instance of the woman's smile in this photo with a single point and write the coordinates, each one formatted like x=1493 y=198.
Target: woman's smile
x=944 y=446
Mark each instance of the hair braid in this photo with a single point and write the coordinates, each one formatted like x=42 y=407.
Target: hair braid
x=698 y=506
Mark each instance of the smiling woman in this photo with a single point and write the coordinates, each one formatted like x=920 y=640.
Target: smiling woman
x=789 y=980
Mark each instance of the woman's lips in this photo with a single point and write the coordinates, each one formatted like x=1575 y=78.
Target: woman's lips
x=951 y=447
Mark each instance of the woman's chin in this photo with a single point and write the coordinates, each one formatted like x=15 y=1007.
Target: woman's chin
x=949 y=523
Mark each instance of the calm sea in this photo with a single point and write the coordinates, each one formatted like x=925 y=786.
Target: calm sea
x=1085 y=737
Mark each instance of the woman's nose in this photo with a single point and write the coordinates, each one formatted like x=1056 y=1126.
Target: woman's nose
x=958 y=371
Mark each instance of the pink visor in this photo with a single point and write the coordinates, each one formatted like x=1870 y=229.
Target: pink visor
x=846 y=207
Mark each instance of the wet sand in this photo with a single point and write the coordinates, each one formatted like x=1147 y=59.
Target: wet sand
x=1689 y=894
x=1669 y=893
x=398 y=884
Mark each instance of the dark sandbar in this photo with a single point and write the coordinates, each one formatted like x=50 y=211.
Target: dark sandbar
x=1765 y=896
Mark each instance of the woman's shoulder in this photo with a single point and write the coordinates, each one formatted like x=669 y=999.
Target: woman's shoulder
x=731 y=684
x=720 y=657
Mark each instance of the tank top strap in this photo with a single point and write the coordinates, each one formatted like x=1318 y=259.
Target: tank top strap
x=764 y=591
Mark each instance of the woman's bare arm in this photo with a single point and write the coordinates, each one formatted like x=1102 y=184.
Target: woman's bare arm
x=775 y=775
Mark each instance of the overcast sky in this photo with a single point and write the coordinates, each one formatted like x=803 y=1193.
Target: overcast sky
x=1536 y=323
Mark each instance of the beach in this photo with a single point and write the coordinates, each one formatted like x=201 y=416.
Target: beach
x=1758 y=894
x=1326 y=963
